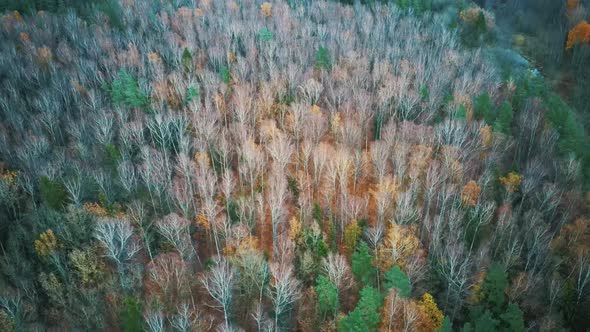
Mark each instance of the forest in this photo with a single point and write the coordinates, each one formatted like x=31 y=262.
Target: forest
x=285 y=165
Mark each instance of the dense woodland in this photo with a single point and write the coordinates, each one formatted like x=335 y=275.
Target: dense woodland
x=286 y=166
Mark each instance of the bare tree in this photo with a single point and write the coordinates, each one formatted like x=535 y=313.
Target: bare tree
x=280 y=149
x=338 y=271
x=284 y=289
x=117 y=238
x=276 y=196
x=175 y=230
x=219 y=283
x=154 y=320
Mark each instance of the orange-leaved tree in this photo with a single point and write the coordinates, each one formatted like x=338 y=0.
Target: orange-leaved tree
x=578 y=34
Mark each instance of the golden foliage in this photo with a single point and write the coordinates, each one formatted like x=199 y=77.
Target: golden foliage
x=315 y=109
x=578 y=34
x=336 y=122
x=87 y=265
x=400 y=242
x=519 y=40
x=294 y=228
x=95 y=209
x=431 y=312
x=198 y=12
x=352 y=233
x=202 y=159
x=154 y=58
x=17 y=16
x=9 y=178
x=46 y=243
x=486 y=136
x=266 y=9
x=202 y=221
x=475 y=290
x=511 y=181
x=24 y=37
x=470 y=193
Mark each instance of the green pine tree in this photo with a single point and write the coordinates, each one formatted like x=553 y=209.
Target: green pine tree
x=513 y=319
x=396 y=278
x=493 y=288
x=482 y=108
x=366 y=316
x=504 y=120
x=446 y=326
x=327 y=296
x=361 y=264
x=322 y=59
x=53 y=193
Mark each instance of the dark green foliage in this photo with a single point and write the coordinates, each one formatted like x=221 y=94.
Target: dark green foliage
x=113 y=154
x=482 y=108
x=314 y=242
x=322 y=59
x=265 y=35
x=317 y=213
x=396 y=278
x=424 y=93
x=461 y=113
x=125 y=90
x=493 y=288
x=332 y=236
x=293 y=187
x=485 y=323
x=112 y=9
x=571 y=134
x=53 y=193
x=84 y=8
x=131 y=317
x=192 y=93
x=225 y=74
x=232 y=211
x=327 y=296
x=504 y=119
x=366 y=315
x=512 y=319
x=361 y=264
x=447 y=325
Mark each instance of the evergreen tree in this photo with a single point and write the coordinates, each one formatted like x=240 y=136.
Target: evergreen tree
x=513 y=319
x=327 y=296
x=396 y=278
x=361 y=264
x=322 y=59
x=53 y=193
x=493 y=288
x=485 y=323
x=447 y=326
x=482 y=107
x=131 y=317
x=504 y=120
x=365 y=317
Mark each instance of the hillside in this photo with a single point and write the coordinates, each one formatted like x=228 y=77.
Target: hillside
x=285 y=166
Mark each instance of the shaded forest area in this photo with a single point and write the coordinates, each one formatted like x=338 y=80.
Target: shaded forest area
x=407 y=165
